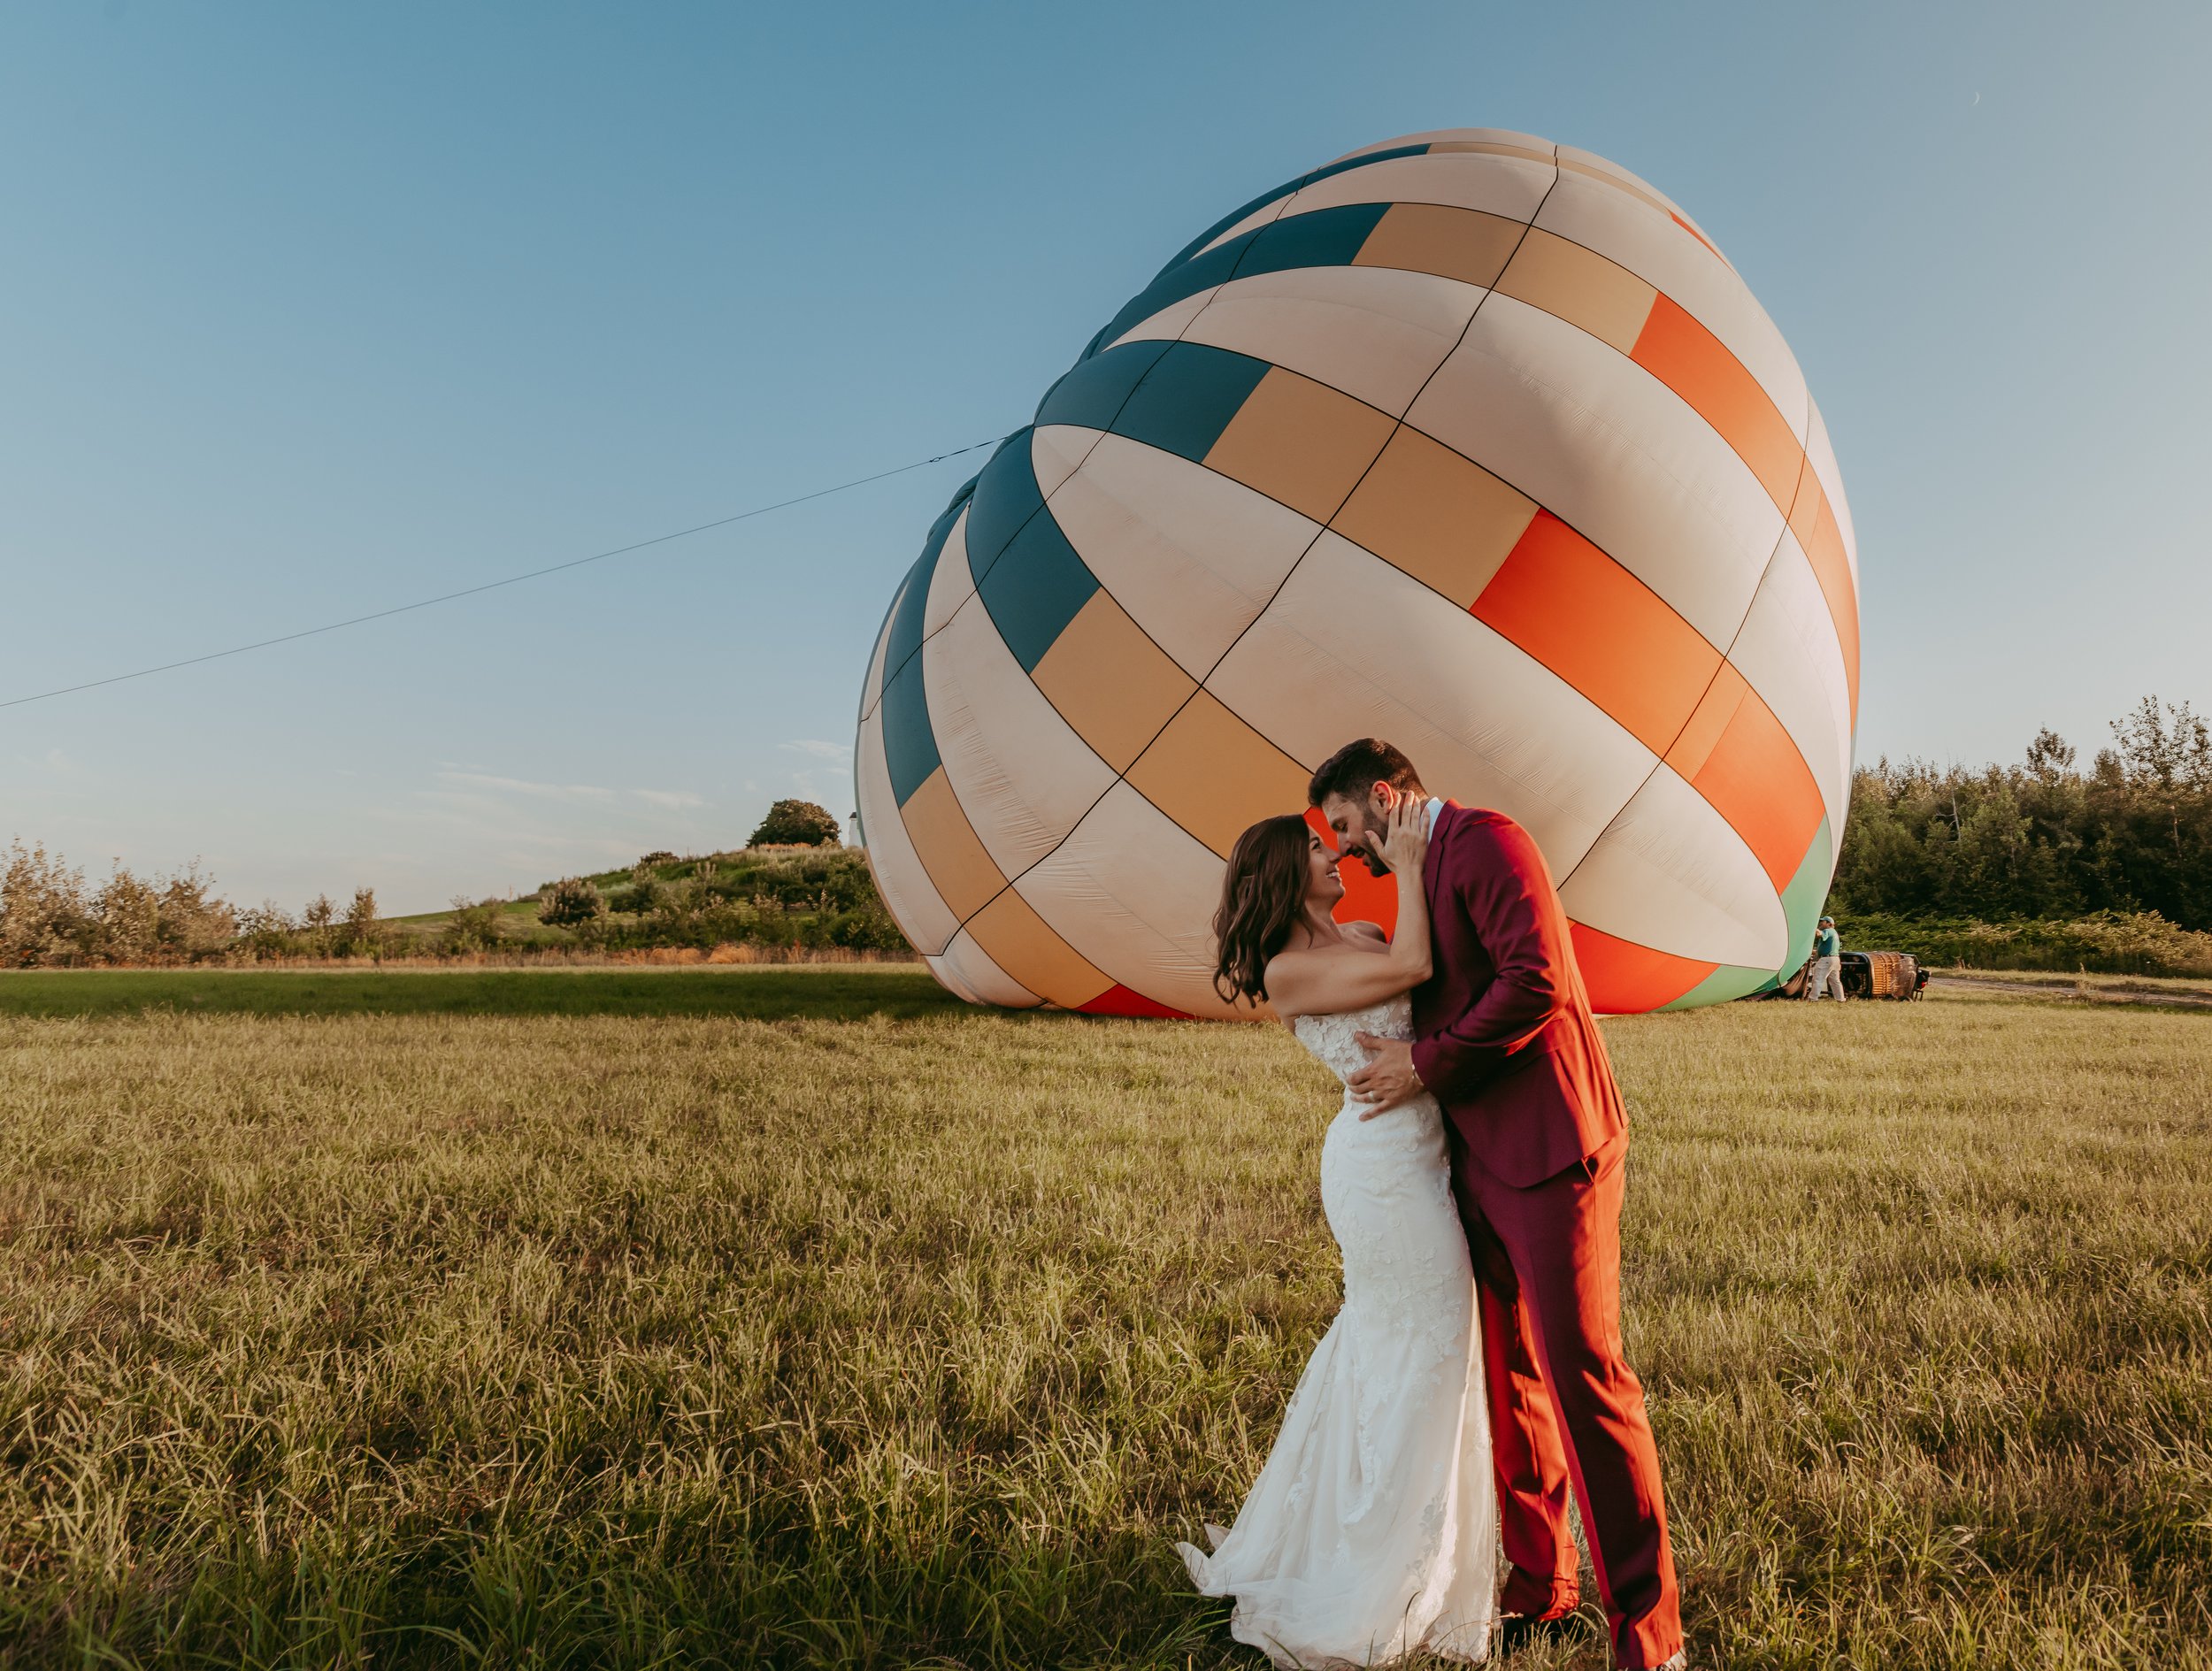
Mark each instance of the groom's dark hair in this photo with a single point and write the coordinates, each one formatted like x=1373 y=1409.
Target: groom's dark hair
x=1357 y=768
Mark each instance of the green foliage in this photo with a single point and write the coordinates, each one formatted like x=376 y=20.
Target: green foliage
x=473 y=928
x=846 y=991
x=2133 y=834
x=571 y=902
x=362 y=931
x=805 y=901
x=318 y=926
x=795 y=821
x=266 y=929
x=645 y=890
x=867 y=927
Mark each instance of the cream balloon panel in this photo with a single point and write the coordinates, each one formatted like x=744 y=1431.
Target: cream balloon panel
x=1544 y=503
x=1193 y=555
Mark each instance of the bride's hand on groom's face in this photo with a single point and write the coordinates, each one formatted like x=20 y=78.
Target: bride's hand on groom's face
x=1405 y=836
x=1388 y=1081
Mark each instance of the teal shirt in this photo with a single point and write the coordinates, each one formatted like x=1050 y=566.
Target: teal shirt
x=1827 y=943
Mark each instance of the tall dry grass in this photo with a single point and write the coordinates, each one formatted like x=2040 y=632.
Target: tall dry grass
x=622 y=1340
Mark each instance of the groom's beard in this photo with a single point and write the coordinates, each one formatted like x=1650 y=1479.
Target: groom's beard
x=1372 y=860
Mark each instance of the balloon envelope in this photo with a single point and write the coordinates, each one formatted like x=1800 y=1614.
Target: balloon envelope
x=1467 y=440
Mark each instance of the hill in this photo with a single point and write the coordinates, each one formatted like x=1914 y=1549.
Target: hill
x=776 y=898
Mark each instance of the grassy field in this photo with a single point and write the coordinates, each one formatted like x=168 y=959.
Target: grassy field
x=2184 y=991
x=795 y=1317
x=849 y=992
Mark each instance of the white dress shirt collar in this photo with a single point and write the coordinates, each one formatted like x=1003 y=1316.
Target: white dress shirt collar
x=1435 y=811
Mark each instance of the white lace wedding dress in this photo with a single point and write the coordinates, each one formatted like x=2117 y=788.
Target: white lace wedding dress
x=1372 y=1529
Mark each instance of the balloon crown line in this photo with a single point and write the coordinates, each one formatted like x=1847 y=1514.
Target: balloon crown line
x=493 y=585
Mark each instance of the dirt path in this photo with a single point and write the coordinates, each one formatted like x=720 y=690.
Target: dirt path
x=2068 y=990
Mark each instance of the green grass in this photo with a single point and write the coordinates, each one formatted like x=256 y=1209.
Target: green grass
x=564 y=1335
x=838 y=991
x=514 y=911
x=2086 y=985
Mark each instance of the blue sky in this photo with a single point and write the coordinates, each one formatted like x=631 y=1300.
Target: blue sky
x=310 y=310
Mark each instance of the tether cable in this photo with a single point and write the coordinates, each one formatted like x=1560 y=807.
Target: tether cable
x=493 y=585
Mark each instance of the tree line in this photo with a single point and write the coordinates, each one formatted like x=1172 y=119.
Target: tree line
x=2130 y=833
x=2046 y=862
x=52 y=916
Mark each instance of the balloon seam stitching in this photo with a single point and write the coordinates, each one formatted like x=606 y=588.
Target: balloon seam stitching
x=1727 y=659
x=1122 y=776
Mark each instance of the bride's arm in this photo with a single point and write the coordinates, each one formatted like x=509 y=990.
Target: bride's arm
x=1317 y=982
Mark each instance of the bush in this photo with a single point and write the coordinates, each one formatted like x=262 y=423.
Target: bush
x=867 y=928
x=44 y=914
x=316 y=924
x=362 y=931
x=645 y=892
x=50 y=917
x=265 y=929
x=190 y=922
x=126 y=927
x=471 y=928
x=796 y=823
x=571 y=902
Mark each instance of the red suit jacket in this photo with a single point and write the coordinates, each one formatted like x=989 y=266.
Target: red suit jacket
x=1503 y=1036
x=1503 y=1032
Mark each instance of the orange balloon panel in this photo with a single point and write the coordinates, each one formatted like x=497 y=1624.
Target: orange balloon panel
x=1467 y=439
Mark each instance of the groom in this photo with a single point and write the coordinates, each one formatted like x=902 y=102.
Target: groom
x=1504 y=1038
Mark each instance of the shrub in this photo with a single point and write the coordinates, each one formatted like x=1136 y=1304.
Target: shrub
x=42 y=908
x=265 y=929
x=48 y=917
x=192 y=923
x=571 y=902
x=126 y=928
x=361 y=930
x=471 y=928
x=316 y=921
x=645 y=889
x=867 y=928
x=796 y=823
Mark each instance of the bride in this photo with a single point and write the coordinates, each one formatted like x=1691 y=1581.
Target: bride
x=1372 y=1531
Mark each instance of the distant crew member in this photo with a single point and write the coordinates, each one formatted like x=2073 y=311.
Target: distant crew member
x=1827 y=962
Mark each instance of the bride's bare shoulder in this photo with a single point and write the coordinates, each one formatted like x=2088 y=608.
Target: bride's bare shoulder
x=1319 y=956
x=1366 y=933
x=1298 y=981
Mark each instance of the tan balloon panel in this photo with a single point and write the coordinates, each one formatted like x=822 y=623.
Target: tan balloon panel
x=1466 y=439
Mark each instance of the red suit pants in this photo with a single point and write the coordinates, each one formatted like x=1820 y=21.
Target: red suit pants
x=1566 y=1411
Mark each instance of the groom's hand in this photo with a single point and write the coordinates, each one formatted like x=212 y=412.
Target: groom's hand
x=1388 y=1081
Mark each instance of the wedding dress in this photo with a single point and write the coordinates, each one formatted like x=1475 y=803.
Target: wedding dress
x=1372 y=1529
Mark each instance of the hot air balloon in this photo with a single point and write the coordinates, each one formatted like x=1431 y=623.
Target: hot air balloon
x=1468 y=440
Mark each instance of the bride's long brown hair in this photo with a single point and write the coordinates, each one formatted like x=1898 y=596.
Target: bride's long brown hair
x=1261 y=898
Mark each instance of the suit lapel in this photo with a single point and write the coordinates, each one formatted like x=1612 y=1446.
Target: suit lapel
x=1433 y=862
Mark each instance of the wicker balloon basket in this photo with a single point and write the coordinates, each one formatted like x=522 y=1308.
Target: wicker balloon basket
x=1892 y=975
